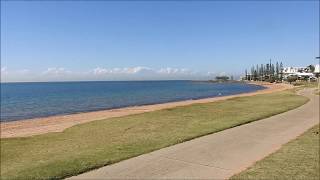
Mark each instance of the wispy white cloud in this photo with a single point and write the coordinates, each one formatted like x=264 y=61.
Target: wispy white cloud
x=169 y=70
x=24 y=71
x=140 y=70
x=14 y=74
x=101 y=73
x=128 y=70
x=4 y=70
x=56 y=71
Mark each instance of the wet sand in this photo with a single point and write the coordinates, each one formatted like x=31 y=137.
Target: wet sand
x=30 y=127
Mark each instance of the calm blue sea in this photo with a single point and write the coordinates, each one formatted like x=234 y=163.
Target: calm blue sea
x=31 y=100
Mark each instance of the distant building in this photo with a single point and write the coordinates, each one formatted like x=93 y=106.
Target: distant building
x=317 y=68
x=303 y=73
x=292 y=70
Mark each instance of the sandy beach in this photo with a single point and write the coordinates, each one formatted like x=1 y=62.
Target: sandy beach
x=36 y=126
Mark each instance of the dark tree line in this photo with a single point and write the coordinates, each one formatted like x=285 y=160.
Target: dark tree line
x=265 y=72
x=222 y=78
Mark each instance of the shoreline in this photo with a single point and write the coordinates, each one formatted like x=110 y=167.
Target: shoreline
x=132 y=105
x=58 y=123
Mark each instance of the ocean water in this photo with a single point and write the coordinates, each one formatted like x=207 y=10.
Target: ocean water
x=31 y=100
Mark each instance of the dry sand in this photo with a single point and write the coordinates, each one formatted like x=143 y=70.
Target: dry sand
x=30 y=127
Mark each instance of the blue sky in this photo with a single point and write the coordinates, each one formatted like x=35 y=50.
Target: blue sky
x=105 y=40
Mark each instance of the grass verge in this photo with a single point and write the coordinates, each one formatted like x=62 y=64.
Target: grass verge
x=99 y=143
x=299 y=159
x=302 y=85
x=306 y=84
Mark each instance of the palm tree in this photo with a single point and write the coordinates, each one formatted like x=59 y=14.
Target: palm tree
x=277 y=71
x=246 y=78
x=281 y=71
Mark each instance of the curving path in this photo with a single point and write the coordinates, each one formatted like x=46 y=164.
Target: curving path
x=219 y=155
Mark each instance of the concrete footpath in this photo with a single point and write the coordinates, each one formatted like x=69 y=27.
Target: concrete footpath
x=219 y=155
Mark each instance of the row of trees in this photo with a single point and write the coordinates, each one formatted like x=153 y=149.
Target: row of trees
x=265 y=72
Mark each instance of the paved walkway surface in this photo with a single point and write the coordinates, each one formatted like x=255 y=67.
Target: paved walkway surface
x=219 y=155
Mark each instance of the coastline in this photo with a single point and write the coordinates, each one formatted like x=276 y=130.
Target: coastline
x=36 y=126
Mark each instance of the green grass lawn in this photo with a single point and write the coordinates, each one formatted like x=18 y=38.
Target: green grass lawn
x=302 y=85
x=306 y=84
x=299 y=159
x=99 y=143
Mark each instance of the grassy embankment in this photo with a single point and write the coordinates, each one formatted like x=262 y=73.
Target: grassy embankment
x=303 y=84
x=306 y=84
x=98 y=143
x=299 y=159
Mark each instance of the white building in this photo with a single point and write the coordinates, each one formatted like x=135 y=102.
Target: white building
x=317 y=68
x=300 y=72
x=293 y=70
